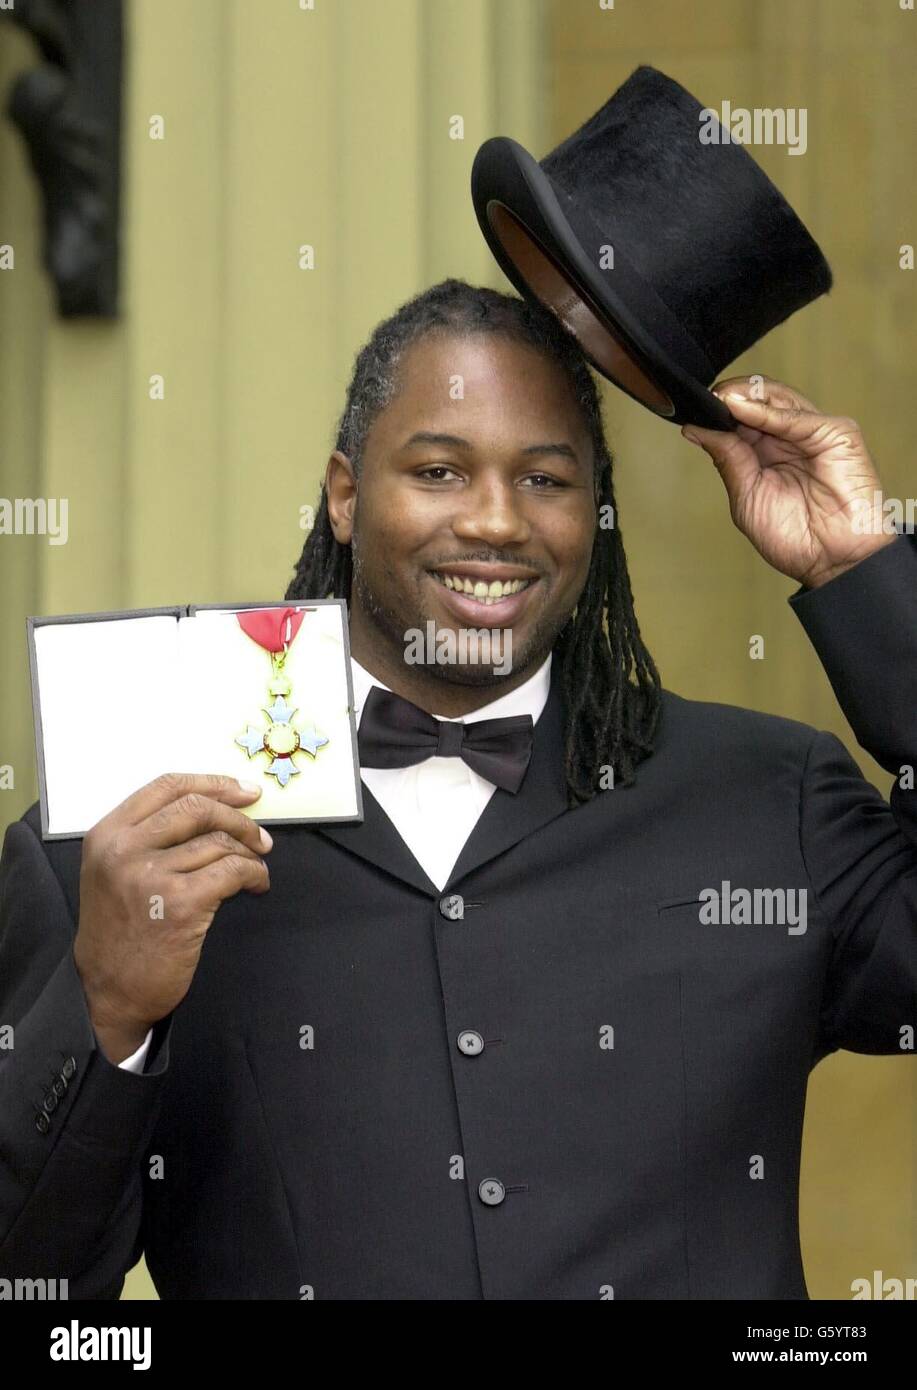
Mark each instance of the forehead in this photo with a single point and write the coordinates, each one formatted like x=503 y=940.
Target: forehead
x=489 y=385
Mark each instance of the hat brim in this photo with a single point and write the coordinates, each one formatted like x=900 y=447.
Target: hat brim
x=621 y=325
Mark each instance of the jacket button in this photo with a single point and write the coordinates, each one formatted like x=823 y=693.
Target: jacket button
x=59 y=1087
x=68 y=1069
x=50 y=1103
x=470 y=1043
x=42 y=1124
x=491 y=1192
x=452 y=906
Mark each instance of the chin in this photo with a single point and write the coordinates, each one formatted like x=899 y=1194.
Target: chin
x=468 y=675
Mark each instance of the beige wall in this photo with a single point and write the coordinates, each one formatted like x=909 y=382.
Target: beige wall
x=330 y=127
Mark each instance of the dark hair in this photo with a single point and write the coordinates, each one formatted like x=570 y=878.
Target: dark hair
x=610 y=683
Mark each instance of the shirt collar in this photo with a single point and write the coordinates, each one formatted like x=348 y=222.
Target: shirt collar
x=528 y=698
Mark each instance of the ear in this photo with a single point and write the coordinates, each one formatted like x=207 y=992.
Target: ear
x=340 y=487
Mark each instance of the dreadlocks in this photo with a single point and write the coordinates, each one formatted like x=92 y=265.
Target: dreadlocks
x=610 y=683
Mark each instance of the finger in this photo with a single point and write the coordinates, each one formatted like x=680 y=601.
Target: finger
x=734 y=459
x=760 y=387
x=205 y=849
x=227 y=876
x=788 y=398
x=776 y=394
x=171 y=785
x=194 y=814
x=789 y=423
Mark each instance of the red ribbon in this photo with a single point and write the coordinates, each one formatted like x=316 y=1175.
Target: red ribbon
x=269 y=627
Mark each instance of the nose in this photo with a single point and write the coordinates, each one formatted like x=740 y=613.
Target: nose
x=491 y=511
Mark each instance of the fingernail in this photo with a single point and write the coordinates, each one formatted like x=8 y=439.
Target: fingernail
x=250 y=787
x=691 y=436
x=266 y=840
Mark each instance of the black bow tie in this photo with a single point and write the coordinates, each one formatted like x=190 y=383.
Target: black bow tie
x=395 y=733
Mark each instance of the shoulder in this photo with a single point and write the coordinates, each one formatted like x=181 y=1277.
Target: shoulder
x=711 y=729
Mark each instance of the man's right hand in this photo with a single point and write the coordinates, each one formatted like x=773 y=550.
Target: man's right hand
x=152 y=875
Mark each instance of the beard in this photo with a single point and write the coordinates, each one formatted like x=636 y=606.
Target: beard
x=394 y=620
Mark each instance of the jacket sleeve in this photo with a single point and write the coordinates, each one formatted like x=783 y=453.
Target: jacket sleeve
x=74 y=1127
x=861 y=851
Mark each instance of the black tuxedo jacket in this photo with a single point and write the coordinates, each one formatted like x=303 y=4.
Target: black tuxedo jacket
x=552 y=1080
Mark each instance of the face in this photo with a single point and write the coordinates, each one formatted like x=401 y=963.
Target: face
x=480 y=472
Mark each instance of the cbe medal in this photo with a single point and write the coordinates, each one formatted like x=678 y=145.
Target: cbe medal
x=275 y=629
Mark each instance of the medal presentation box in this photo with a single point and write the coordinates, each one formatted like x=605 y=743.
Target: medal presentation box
x=260 y=691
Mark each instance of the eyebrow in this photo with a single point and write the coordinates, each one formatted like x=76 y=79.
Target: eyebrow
x=456 y=442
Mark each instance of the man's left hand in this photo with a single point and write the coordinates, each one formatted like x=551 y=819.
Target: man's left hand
x=799 y=483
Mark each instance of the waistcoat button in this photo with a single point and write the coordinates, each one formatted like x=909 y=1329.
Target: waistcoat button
x=491 y=1192
x=470 y=1043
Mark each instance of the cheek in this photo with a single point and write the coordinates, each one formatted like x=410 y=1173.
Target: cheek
x=569 y=541
x=386 y=534
x=416 y=516
x=395 y=521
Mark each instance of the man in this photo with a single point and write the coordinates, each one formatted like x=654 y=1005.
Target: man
x=547 y=1039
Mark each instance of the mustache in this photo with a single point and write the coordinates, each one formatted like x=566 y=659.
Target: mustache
x=479 y=558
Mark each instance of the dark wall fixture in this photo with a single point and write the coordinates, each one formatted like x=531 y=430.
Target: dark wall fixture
x=69 y=112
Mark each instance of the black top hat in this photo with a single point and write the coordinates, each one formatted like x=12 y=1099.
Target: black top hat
x=664 y=254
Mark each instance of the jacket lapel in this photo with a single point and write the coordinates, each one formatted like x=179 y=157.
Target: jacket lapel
x=505 y=820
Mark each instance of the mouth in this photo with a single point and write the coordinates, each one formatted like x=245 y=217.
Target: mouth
x=484 y=597
x=482 y=590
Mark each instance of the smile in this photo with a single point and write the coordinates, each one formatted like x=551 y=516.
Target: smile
x=486 y=593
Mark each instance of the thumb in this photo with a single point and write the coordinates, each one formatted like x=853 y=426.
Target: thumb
x=735 y=461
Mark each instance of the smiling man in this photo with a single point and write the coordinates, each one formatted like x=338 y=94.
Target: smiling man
x=489 y=1043
x=471 y=453
x=488 y=528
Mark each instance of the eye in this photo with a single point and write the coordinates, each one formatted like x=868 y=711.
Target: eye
x=544 y=478
x=432 y=468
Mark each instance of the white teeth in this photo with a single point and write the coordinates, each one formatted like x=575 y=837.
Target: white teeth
x=483 y=592
x=480 y=590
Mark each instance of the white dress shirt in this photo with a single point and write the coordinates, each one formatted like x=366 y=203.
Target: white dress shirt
x=435 y=804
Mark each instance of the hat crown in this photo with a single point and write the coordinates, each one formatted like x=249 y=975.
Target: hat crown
x=700 y=221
